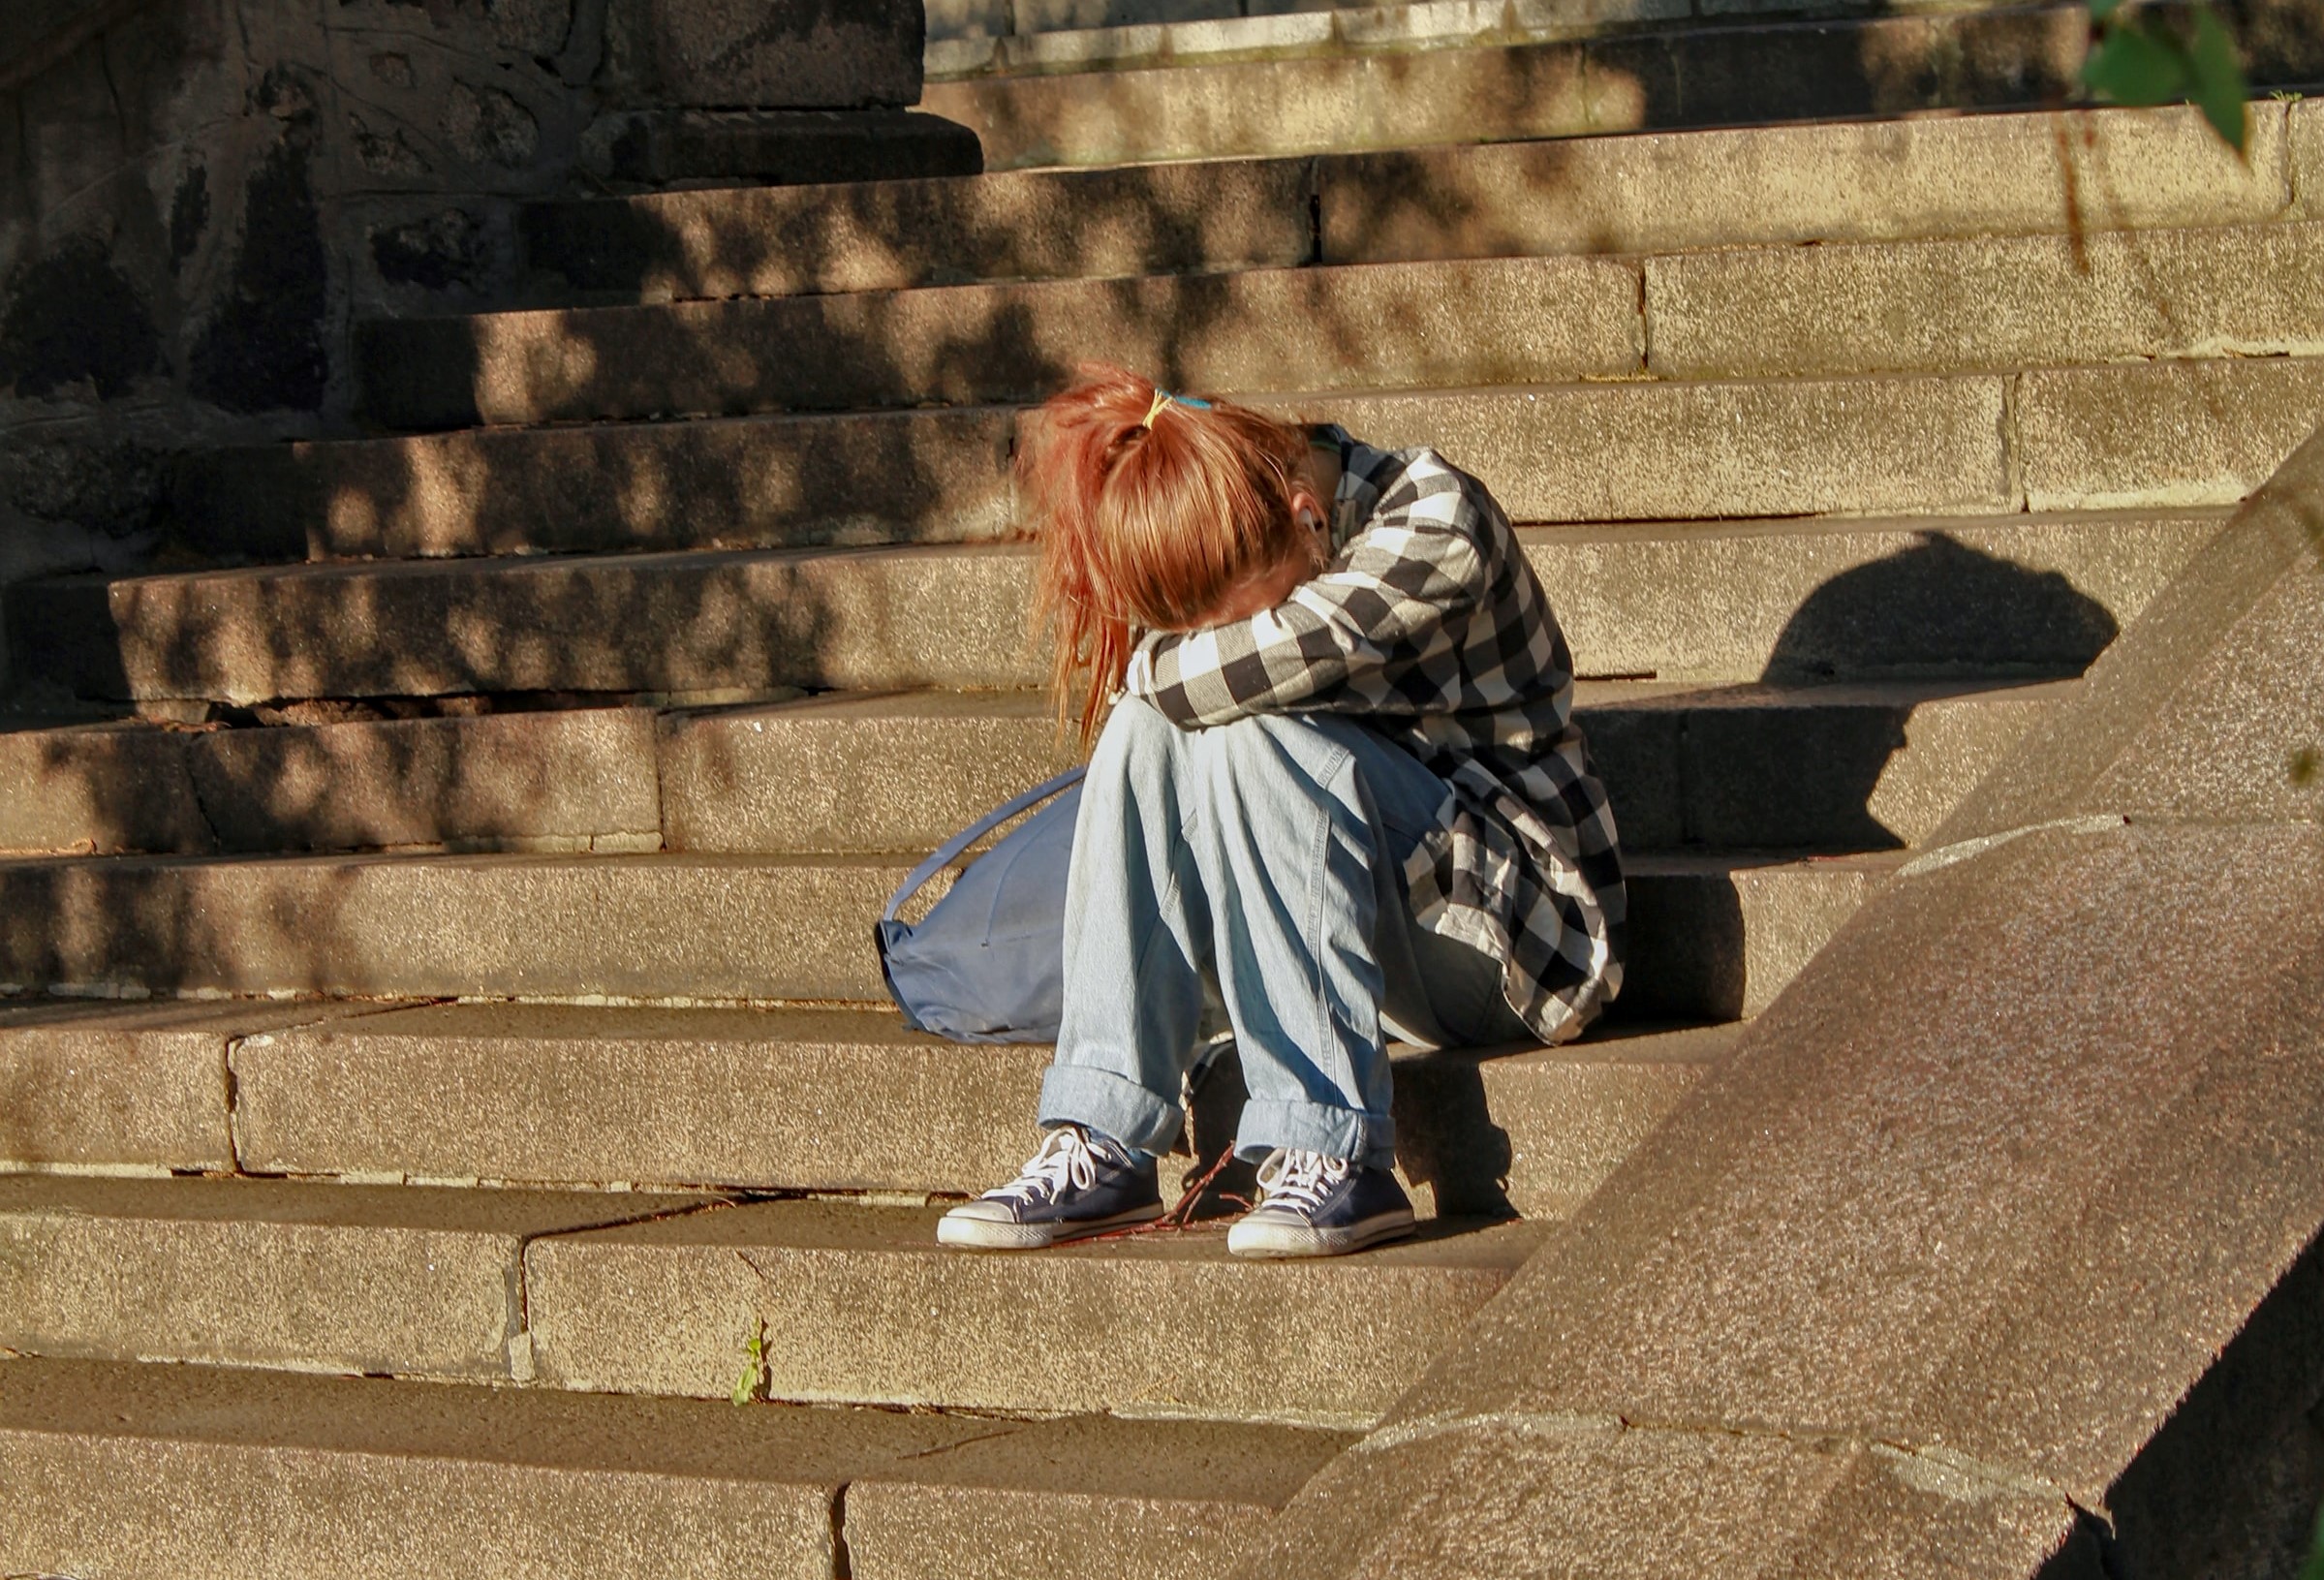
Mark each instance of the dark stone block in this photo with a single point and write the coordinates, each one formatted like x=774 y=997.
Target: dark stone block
x=264 y=348
x=780 y=147
x=70 y=315
x=443 y=252
x=764 y=54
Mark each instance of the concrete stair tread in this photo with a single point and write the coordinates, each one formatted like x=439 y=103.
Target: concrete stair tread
x=1639 y=193
x=1702 y=72
x=509 y=1215
x=322 y=1470
x=1846 y=308
x=1876 y=597
x=1640 y=450
x=773 y=1100
x=671 y=1099
x=860 y=1303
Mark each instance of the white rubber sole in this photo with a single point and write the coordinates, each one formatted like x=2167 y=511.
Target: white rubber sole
x=1258 y=1235
x=957 y=1228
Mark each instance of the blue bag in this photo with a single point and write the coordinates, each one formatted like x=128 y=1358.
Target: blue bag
x=987 y=964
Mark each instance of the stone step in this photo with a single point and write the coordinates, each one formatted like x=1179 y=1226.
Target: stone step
x=1944 y=307
x=340 y=1478
x=1834 y=767
x=851 y=1100
x=394 y=1280
x=858 y=1303
x=1421 y=325
x=1698 y=602
x=2167 y=435
x=1700 y=76
x=981 y=39
x=1710 y=936
x=2083 y=172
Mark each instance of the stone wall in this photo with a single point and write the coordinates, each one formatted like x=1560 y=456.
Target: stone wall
x=199 y=197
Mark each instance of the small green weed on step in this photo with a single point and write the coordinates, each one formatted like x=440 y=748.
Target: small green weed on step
x=751 y=1383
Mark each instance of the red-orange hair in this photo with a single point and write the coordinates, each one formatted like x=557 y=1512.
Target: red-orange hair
x=1146 y=526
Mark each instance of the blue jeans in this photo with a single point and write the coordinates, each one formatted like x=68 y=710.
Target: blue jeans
x=1263 y=859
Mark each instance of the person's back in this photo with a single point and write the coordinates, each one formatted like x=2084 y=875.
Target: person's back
x=1336 y=790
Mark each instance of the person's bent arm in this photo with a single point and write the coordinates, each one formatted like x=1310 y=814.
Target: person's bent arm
x=1398 y=591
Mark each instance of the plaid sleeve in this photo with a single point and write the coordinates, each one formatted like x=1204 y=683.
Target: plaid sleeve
x=1392 y=600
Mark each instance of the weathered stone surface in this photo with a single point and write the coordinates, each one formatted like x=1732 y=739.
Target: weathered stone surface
x=1707 y=934
x=2189 y=433
x=899 y=771
x=97 y=787
x=1537 y=1132
x=2305 y=147
x=426 y=926
x=1270 y=107
x=1840 y=600
x=2087 y=1178
x=266 y=1272
x=1791 y=602
x=847 y=1099
x=125 y=1085
x=1076 y=1496
x=2000 y=303
x=746 y=483
x=1832 y=766
x=1678 y=451
x=1721 y=937
x=775 y=242
x=860 y=1303
x=1515 y=321
x=552 y=779
x=824 y=1100
x=1879 y=66
x=782 y=146
x=795 y=55
x=1545 y=1495
x=2204 y=715
x=1875 y=181
x=736 y=624
x=245 y=1474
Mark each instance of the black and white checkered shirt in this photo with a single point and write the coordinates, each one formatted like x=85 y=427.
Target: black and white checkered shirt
x=1431 y=625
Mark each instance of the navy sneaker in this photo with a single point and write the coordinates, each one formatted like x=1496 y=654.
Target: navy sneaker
x=1076 y=1185
x=1315 y=1206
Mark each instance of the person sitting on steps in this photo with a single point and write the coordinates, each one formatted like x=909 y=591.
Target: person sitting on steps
x=1338 y=785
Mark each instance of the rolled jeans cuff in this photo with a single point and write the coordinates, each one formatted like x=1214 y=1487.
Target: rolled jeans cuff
x=1112 y=1105
x=1367 y=1139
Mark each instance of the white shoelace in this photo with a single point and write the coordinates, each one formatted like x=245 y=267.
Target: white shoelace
x=1299 y=1179
x=1065 y=1156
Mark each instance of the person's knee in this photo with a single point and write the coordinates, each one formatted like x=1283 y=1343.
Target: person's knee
x=1271 y=759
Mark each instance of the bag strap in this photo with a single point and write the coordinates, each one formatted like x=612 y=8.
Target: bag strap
x=951 y=848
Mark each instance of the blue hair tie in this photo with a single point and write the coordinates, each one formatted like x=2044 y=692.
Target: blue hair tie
x=1162 y=397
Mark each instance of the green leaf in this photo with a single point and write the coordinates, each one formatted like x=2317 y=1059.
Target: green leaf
x=2132 y=66
x=746 y=1385
x=2218 y=88
x=2313 y=1569
x=2100 y=9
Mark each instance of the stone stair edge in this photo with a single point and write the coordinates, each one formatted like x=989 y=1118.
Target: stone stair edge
x=1633 y=195
x=1710 y=937
x=1399 y=27
x=1872 y=308
x=2074 y=442
x=656 y=1103
x=487 y=1285
x=1676 y=76
x=517 y=1478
